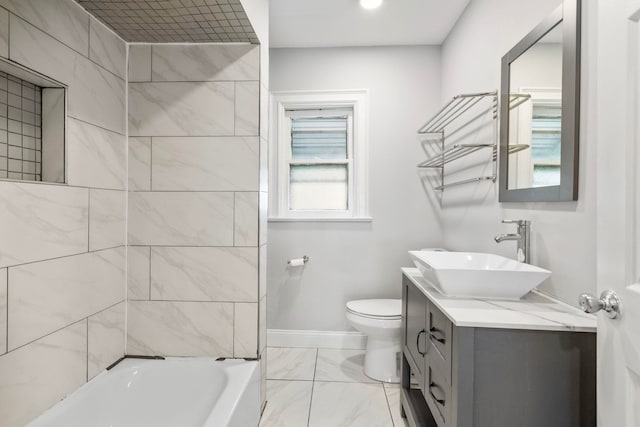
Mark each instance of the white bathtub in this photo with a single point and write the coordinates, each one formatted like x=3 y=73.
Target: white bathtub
x=174 y=392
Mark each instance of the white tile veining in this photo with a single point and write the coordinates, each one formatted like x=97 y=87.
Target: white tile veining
x=3 y=310
x=393 y=398
x=96 y=157
x=180 y=328
x=105 y=338
x=205 y=164
x=330 y=401
x=291 y=363
x=62 y=19
x=205 y=62
x=58 y=360
x=139 y=63
x=107 y=219
x=138 y=272
x=288 y=403
x=204 y=274
x=181 y=109
x=349 y=404
x=48 y=295
x=41 y=221
x=174 y=219
x=247 y=108
x=245 y=324
x=105 y=49
x=341 y=365
x=140 y=164
x=4 y=33
x=246 y=219
x=95 y=95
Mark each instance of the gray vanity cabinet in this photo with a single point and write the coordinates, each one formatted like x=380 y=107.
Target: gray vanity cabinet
x=485 y=377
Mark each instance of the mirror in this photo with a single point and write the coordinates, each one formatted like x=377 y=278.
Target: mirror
x=540 y=111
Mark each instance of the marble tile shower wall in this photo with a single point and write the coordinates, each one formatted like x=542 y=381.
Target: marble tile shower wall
x=62 y=247
x=194 y=174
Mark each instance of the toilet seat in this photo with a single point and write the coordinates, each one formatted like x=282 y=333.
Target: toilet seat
x=384 y=309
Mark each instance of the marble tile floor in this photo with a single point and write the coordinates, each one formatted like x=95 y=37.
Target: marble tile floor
x=318 y=387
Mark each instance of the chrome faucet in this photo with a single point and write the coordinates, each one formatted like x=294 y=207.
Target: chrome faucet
x=522 y=237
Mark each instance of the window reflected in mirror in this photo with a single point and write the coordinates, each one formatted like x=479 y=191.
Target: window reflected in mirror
x=535 y=116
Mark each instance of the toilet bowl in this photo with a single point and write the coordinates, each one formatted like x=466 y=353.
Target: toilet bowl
x=381 y=321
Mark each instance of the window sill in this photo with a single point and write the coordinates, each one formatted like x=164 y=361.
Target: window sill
x=321 y=219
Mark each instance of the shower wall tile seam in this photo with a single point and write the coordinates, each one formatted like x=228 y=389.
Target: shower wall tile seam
x=65 y=44
x=63 y=256
x=62 y=327
x=63 y=185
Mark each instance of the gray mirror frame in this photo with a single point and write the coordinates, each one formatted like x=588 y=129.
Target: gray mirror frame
x=569 y=14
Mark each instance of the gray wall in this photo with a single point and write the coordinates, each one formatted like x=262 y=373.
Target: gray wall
x=563 y=234
x=62 y=251
x=352 y=260
x=193 y=200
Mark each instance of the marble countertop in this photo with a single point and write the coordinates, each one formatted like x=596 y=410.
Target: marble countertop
x=535 y=311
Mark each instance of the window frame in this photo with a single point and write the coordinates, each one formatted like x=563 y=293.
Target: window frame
x=280 y=135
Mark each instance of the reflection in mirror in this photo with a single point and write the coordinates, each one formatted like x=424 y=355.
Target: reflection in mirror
x=535 y=116
x=540 y=111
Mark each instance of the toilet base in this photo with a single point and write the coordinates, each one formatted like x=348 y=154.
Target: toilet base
x=382 y=359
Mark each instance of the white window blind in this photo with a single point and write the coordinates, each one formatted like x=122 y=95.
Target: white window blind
x=320 y=165
x=546 y=127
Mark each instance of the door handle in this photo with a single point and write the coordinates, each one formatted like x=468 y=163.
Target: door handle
x=433 y=387
x=609 y=302
x=418 y=342
x=437 y=335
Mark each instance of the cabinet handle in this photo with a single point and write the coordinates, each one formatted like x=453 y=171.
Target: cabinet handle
x=436 y=335
x=433 y=387
x=418 y=342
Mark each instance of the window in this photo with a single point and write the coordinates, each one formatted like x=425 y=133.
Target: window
x=545 y=144
x=537 y=124
x=319 y=165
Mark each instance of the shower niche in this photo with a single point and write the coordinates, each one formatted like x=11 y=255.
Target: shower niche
x=32 y=126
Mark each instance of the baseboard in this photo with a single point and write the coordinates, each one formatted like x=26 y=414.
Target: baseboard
x=315 y=339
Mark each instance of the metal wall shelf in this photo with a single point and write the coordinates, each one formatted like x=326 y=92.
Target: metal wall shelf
x=512 y=149
x=452 y=153
x=446 y=117
x=455 y=108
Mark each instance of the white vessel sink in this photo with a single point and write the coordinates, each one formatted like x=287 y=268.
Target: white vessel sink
x=478 y=275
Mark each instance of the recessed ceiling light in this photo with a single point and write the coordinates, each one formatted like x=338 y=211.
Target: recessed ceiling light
x=370 y=4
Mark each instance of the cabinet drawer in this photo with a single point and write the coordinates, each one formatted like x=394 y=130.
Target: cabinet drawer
x=437 y=393
x=439 y=332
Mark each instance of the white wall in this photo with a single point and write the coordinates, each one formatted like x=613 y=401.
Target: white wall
x=563 y=234
x=358 y=260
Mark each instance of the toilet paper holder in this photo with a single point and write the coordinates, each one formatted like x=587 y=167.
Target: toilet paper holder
x=296 y=261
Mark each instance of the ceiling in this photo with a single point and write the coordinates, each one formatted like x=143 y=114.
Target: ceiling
x=330 y=23
x=165 y=21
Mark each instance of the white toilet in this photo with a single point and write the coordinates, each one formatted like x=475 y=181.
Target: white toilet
x=381 y=321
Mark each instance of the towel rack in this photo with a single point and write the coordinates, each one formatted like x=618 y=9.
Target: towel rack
x=512 y=149
x=455 y=108
x=446 y=117
x=516 y=99
x=452 y=153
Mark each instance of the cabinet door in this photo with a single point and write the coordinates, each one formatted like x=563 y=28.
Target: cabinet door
x=415 y=332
